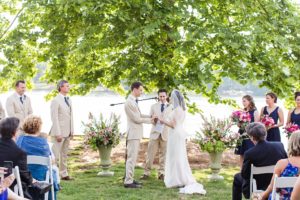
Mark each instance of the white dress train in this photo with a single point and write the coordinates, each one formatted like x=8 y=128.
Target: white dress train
x=177 y=169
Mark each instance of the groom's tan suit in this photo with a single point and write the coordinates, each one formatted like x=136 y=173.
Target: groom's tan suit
x=158 y=141
x=62 y=125
x=19 y=107
x=135 y=122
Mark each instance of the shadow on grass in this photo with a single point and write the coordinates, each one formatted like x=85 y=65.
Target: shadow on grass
x=88 y=186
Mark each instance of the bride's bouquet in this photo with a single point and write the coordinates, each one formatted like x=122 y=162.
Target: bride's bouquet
x=102 y=132
x=241 y=118
x=216 y=135
x=268 y=121
x=290 y=128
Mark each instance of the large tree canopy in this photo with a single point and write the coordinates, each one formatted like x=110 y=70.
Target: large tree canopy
x=186 y=44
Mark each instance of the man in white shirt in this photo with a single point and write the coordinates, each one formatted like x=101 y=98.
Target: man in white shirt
x=18 y=104
x=62 y=129
x=135 y=121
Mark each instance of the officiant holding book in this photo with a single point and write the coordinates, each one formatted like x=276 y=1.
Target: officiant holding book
x=158 y=136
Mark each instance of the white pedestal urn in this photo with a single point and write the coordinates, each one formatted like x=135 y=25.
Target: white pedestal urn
x=215 y=166
x=105 y=163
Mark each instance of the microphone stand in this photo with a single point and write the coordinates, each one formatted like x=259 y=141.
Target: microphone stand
x=115 y=104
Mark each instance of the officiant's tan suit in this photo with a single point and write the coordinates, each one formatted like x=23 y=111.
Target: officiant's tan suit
x=2 y=112
x=135 y=120
x=158 y=141
x=19 y=107
x=62 y=125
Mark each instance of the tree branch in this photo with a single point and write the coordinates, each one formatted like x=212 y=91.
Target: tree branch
x=13 y=21
x=264 y=9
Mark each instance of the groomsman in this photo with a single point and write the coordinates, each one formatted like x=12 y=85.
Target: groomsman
x=18 y=104
x=158 y=138
x=62 y=127
x=135 y=122
x=2 y=112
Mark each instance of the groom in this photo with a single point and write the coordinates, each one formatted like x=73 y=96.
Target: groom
x=135 y=122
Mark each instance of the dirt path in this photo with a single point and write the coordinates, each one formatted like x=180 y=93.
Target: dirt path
x=197 y=159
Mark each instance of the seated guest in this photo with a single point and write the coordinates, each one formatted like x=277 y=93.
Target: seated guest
x=296 y=190
x=9 y=151
x=287 y=167
x=33 y=144
x=264 y=153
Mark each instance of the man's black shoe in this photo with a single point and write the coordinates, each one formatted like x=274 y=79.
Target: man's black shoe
x=137 y=183
x=132 y=185
x=144 y=177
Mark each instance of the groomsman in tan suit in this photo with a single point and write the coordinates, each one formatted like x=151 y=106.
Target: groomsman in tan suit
x=135 y=122
x=158 y=137
x=62 y=127
x=18 y=104
x=2 y=112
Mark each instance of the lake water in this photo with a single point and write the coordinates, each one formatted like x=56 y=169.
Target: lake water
x=99 y=102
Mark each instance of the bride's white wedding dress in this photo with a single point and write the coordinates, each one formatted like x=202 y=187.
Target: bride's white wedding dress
x=177 y=169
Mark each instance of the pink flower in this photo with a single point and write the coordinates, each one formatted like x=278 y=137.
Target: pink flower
x=268 y=121
x=291 y=127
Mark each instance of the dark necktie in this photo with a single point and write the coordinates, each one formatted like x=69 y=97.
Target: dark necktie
x=162 y=108
x=137 y=101
x=21 y=99
x=67 y=102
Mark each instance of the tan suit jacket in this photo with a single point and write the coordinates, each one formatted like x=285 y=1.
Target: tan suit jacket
x=156 y=110
x=15 y=108
x=61 y=117
x=2 y=112
x=135 y=119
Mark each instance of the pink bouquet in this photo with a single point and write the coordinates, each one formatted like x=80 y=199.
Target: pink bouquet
x=268 y=121
x=290 y=128
x=241 y=118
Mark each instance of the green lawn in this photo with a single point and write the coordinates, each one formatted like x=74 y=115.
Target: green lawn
x=87 y=186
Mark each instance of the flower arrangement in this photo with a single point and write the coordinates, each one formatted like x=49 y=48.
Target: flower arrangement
x=216 y=135
x=268 y=121
x=241 y=118
x=290 y=128
x=102 y=132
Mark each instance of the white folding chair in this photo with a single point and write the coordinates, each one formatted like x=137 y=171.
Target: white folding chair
x=257 y=171
x=1 y=177
x=282 y=182
x=45 y=161
x=18 y=187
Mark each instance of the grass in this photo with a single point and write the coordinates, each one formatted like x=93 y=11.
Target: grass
x=87 y=186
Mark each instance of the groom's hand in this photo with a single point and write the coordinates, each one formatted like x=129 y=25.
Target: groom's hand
x=58 y=138
x=154 y=118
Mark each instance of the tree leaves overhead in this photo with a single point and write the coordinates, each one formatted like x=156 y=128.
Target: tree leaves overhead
x=190 y=45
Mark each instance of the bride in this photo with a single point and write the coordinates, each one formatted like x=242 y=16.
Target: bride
x=177 y=169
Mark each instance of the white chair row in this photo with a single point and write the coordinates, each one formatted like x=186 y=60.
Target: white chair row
x=279 y=182
x=282 y=182
x=38 y=160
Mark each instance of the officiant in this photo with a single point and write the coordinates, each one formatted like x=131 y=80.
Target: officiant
x=158 y=136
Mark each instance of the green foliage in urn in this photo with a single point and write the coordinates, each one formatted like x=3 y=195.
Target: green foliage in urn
x=216 y=135
x=102 y=132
